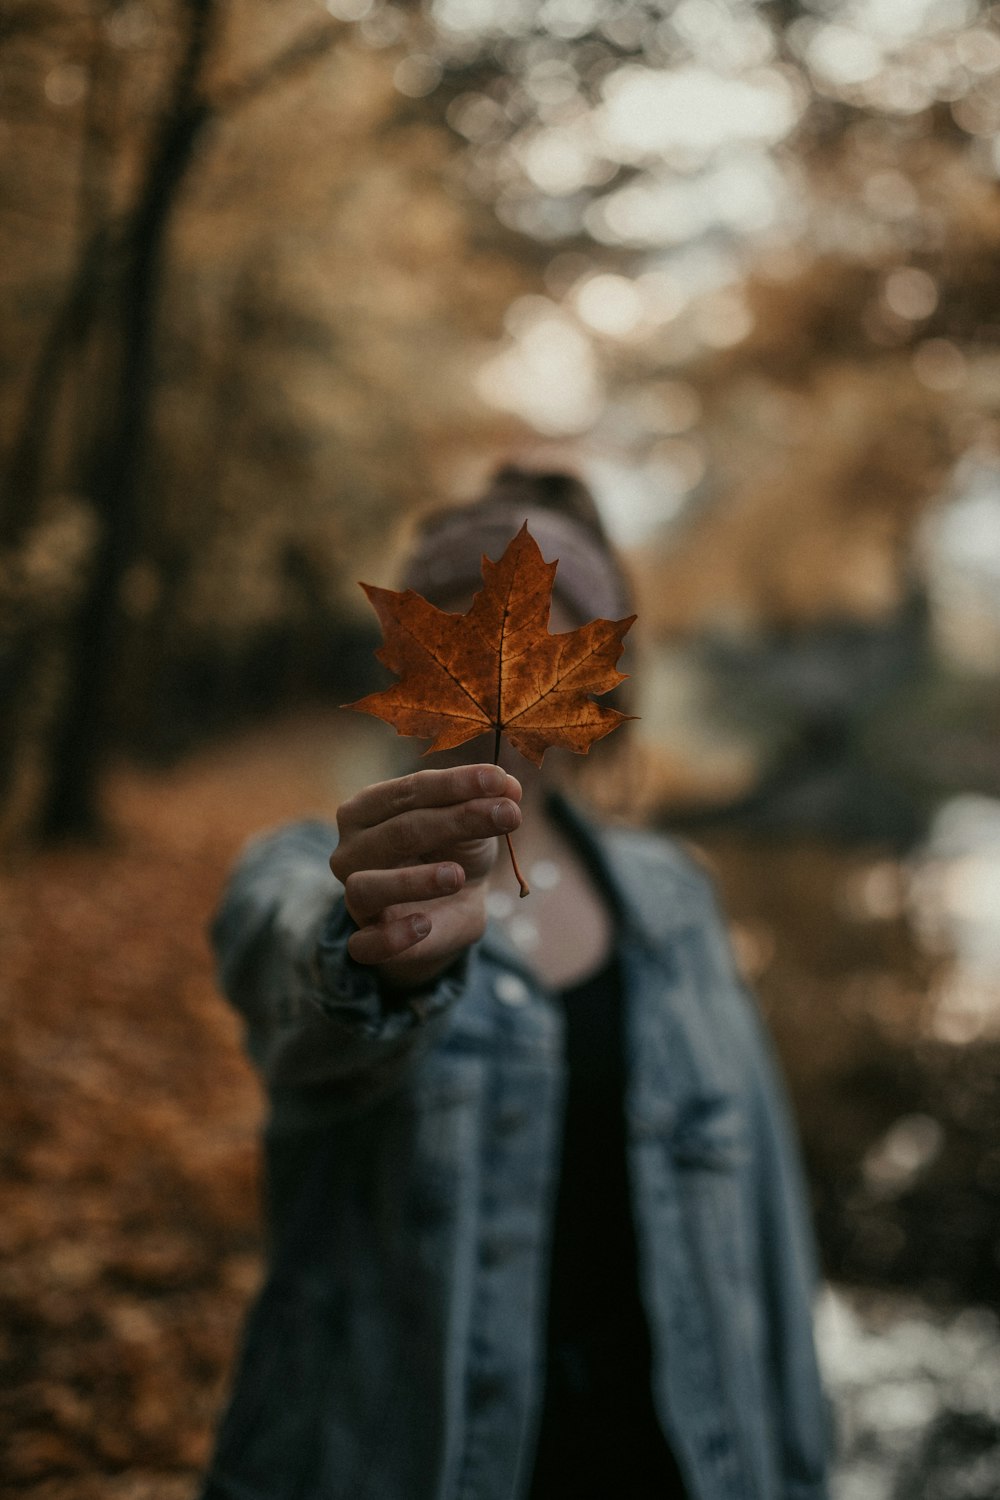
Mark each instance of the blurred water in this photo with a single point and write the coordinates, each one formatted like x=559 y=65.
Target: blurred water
x=916 y=1395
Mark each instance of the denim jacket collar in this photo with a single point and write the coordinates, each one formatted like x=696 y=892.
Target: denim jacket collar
x=642 y=915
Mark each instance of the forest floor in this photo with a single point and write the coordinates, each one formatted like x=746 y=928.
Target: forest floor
x=129 y=1117
x=129 y=1198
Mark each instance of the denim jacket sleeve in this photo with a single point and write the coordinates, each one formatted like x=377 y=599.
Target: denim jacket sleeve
x=313 y=1015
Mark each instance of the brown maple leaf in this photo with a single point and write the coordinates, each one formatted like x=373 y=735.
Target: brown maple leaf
x=497 y=668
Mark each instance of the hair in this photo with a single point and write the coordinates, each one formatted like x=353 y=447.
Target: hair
x=549 y=489
x=556 y=491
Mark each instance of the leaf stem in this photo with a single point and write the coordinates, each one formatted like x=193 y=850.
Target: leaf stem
x=525 y=887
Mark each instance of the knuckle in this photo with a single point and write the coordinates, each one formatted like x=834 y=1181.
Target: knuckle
x=468 y=821
x=345 y=814
x=403 y=837
x=359 y=946
x=339 y=866
x=404 y=793
x=396 y=937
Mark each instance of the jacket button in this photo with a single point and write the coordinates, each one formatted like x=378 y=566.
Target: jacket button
x=510 y=989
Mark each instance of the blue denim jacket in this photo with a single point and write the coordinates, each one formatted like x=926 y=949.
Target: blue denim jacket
x=395 y=1352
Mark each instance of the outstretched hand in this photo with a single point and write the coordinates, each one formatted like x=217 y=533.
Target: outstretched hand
x=414 y=857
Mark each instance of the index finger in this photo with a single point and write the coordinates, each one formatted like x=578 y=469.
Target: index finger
x=387 y=799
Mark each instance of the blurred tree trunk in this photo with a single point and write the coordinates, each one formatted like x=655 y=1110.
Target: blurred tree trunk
x=28 y=471
x=114 y=465
x=57 y=378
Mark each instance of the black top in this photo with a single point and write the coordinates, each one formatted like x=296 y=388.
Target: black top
x=599 y=1435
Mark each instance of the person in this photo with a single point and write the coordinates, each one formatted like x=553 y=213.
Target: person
x=535 y=1216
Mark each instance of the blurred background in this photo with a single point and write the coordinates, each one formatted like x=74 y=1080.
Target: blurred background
x=274 y=275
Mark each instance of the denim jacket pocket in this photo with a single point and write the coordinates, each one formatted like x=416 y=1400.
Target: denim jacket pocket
x=710 y=1134
x=710 y=1150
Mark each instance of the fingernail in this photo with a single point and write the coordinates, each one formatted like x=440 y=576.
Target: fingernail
x=505 y=815
x=492 y=779
x=421 y=927
x=447 y=877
